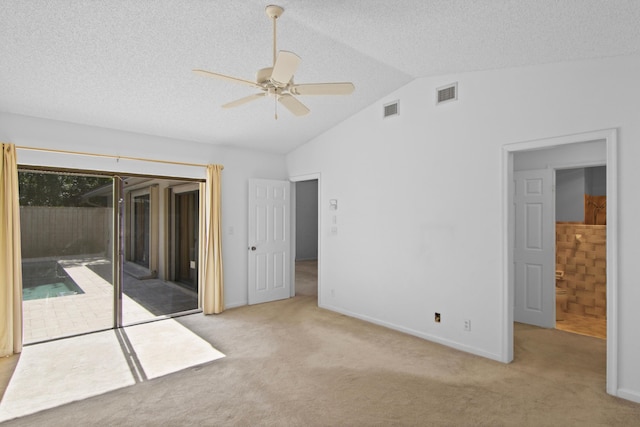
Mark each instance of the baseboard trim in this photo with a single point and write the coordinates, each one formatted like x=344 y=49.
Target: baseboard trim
x=235 y=304
x=438 y=340
x=631 y=395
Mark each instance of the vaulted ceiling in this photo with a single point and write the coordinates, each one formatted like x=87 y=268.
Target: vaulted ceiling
x=126 y=64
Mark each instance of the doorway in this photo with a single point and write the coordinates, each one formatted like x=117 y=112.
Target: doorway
x=306 y=253
x=186 y=238
x=609 y=141
x=141 y=229
x=580 y=223
x=310 y=187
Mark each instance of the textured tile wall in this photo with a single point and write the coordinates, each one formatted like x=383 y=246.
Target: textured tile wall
x=581 y=253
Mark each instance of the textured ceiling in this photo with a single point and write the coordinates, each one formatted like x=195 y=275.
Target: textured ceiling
x=126 y=64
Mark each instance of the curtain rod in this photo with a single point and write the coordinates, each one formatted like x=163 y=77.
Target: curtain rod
x=109 y=156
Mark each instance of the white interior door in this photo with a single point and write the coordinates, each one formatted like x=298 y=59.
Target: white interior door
x=534 y=252
x=269 y=240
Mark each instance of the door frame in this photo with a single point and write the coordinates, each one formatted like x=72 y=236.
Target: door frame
x=294 y=179
x=508 y=228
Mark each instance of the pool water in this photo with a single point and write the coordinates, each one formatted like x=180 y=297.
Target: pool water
x=46 y=279
x=49 y=290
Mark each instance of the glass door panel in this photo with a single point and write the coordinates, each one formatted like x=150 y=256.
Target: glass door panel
x=160 y=274
x=67 y=236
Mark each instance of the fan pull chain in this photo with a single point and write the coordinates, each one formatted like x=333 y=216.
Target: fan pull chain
x=276 y=103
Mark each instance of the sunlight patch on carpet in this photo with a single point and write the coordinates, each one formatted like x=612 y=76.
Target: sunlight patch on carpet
x=166 y=347
x=63 y=371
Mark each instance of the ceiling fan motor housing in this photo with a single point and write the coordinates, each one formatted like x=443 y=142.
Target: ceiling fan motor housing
x=273 y=11
x=263 y=75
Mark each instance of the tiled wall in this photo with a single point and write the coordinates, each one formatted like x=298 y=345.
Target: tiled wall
x=581 y=253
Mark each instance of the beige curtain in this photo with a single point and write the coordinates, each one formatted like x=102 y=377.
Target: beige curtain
x=10 y=256
x=212 y=288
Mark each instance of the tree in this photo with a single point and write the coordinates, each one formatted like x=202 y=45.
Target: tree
x=49 y=189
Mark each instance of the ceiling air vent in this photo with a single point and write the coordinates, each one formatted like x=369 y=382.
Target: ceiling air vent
x=391 y=109
x=447 y=93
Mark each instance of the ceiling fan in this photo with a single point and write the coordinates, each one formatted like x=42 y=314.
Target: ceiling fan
x=277 y=81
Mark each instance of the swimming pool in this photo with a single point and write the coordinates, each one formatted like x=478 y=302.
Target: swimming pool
x=46 y=279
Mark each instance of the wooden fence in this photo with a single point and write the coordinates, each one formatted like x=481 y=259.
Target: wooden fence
x=64 y=231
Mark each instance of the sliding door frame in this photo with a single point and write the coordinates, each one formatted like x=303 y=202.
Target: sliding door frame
x=119 y=246
x=118 y=249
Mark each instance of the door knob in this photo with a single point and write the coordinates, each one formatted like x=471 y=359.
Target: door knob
x=253 y=248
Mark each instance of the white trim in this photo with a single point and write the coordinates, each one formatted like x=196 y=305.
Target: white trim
x=307 y=177
x=299 y=178
x=433 y=338
x=575 y=165
x=537 y=144
x=631 y=395
x=235 y=304
x=612 y=263
x=506 y=307
x=293 y=243
x=610 y=138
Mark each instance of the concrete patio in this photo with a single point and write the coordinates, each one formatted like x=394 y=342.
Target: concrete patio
x=142 y=300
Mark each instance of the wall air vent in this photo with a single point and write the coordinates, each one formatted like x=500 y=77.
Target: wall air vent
x=447 y=93
x=391 y=109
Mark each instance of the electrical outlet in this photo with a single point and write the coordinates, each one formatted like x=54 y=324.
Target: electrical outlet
x=467 y=325
x=436 y=317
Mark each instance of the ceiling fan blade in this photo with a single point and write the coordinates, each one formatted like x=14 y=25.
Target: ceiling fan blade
x=286 y=64
x=323 y=89
x=228 y=78
x=244 y=100
x=296 y=107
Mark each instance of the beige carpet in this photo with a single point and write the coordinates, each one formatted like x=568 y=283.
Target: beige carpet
x=307 y=277
x=290 y=363
x=54 y=373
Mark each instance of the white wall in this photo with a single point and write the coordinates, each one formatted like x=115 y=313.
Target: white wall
x=572 y=185
x=570 y=195
x=307 y=220
x=420 y=206
x=239 y=166
x=596 y=181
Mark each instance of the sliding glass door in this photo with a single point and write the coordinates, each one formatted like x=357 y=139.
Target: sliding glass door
x=89 y=267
